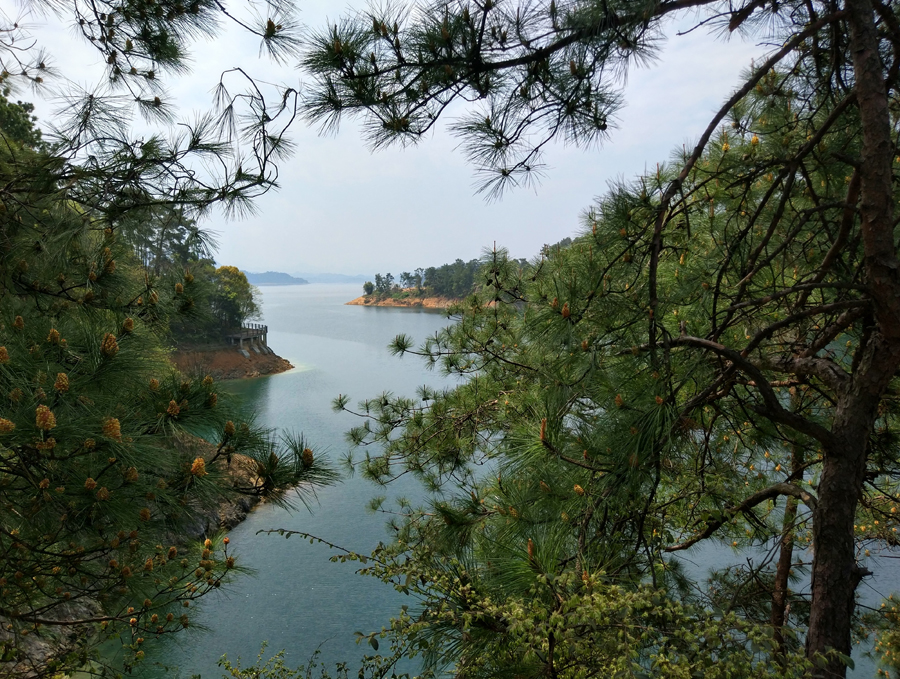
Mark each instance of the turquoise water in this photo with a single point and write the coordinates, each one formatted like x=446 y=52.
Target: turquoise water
x=298 y=600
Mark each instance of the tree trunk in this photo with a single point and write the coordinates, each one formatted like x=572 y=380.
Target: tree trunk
x=835 y=573
x=785 y=559
x=782 y=575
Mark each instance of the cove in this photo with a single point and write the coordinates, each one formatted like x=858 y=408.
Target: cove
x=297 y=599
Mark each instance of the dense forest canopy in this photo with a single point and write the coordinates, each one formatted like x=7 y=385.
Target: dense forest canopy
x=174 y=251
x=714 y=359
x=448 y=280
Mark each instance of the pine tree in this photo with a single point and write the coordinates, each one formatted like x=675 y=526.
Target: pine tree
x=714 y=358
x=103 y=465
x=108 y=456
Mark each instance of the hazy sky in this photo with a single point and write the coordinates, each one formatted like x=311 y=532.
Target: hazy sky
x=344 y=209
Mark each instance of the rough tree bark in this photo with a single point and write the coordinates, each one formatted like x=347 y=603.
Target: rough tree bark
x=835 y=573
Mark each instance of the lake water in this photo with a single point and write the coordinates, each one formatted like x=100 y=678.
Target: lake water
x=298 y=600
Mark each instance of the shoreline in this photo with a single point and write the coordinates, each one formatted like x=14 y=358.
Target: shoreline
x=408 y=303
x=38 y=650
x=225 y=362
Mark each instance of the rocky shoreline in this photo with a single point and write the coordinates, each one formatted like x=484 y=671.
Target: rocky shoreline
x=225 y=362
x=407 y=302
x=36 y=651
x=221 y=362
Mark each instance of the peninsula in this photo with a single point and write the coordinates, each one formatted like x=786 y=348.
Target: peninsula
x=404 y=298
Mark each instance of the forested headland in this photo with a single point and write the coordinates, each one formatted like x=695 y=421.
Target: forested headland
x=447 y=283
x=454 y=280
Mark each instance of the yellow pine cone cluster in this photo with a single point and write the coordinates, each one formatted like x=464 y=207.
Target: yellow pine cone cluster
x=6 y=426
x=4 y=355
x=198 y=468
x=112 y=428
x=62 y=383
x=109 y=346
x=44 y=419
x=307 y=457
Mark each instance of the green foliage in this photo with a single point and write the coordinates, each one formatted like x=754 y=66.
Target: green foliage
x=384 y=285
x=176 y=255
x=452 y=280
x=17 y=122
x=166 y=238
x=448 y=280
x=274 y=667
x=102 y=465
x=109 y=459
x=676 y=374
x=234 y=301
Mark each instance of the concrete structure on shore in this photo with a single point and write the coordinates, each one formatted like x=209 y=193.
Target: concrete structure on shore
x=256 y=335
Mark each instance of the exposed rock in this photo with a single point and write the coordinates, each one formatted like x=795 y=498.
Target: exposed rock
x=37 y=650
x=225 y=362
x=408 y=302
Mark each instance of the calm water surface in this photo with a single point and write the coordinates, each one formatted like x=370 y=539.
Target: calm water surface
x=298 y=600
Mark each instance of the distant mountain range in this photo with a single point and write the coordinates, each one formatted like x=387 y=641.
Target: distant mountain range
x=274 y=278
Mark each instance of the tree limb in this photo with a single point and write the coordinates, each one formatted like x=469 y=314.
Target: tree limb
x=772 y=491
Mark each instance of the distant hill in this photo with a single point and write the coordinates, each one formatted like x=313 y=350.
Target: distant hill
x=334 y=278
x=274 y=278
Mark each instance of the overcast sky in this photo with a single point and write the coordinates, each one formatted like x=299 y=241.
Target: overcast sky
x=344 y=209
